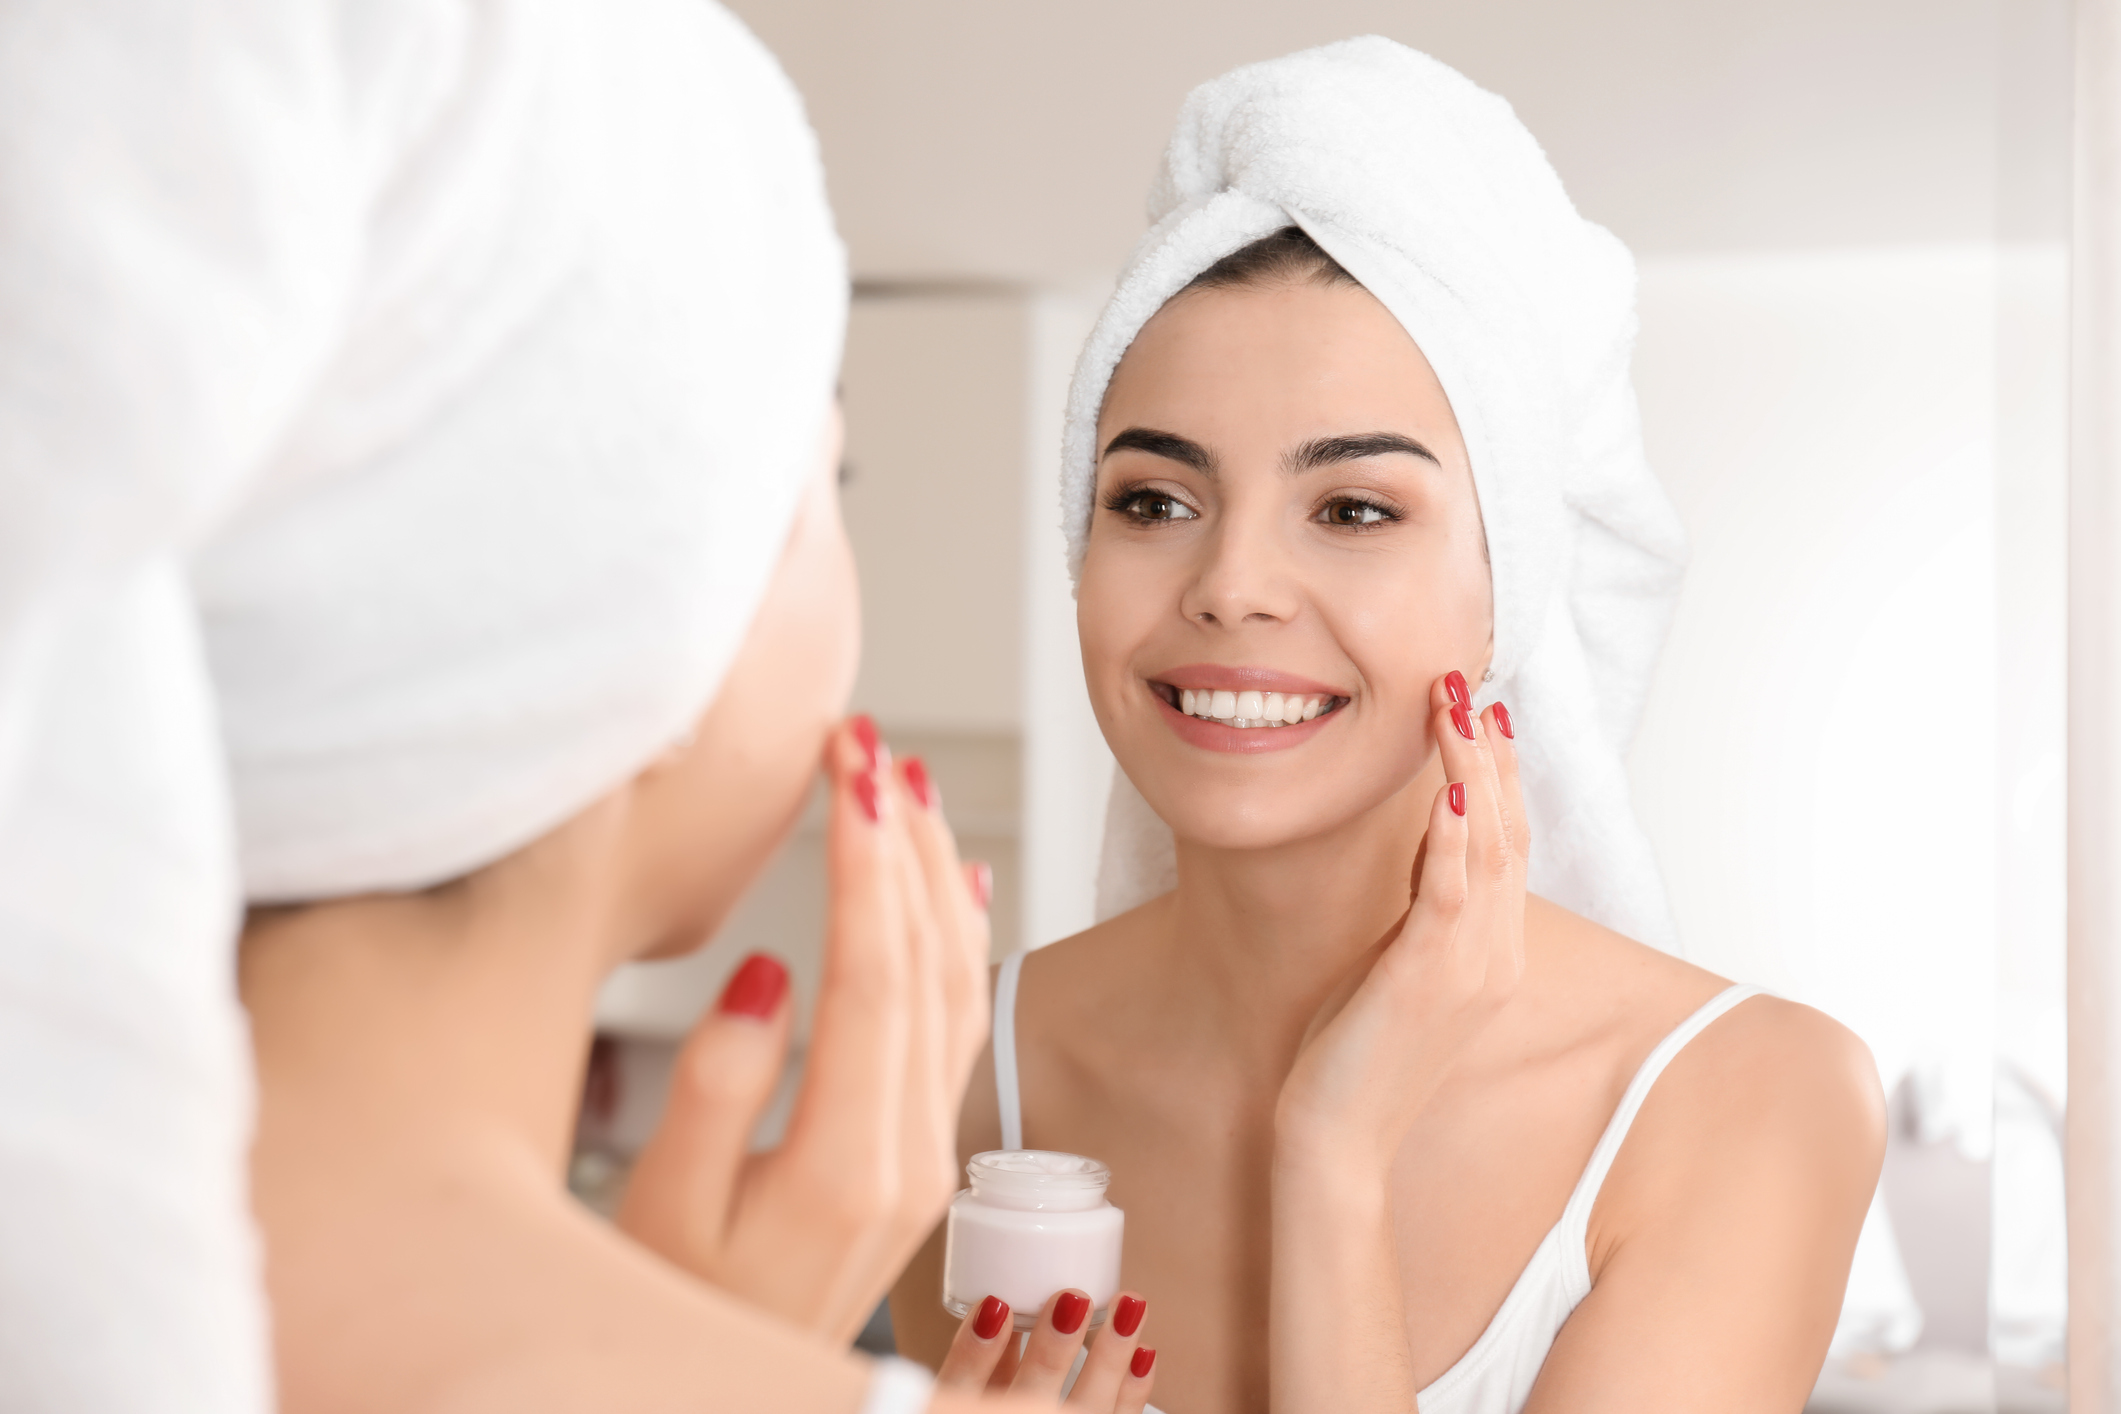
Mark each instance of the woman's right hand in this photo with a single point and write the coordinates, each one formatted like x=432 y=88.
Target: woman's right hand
x=816 y=1228
x=1384 y=1041
x=987 y=1358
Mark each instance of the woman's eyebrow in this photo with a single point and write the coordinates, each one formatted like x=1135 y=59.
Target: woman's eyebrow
x=1324 y=451
x=1163 y=444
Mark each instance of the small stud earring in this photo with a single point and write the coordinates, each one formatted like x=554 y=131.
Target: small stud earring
x=1487 y=675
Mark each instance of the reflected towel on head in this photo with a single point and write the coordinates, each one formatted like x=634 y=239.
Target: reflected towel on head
x=1429 y=191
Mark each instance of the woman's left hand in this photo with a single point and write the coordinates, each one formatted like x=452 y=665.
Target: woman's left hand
x=816 y=1228
x=987 y=1358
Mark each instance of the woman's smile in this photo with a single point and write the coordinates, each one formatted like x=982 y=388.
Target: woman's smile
x=1243 y=709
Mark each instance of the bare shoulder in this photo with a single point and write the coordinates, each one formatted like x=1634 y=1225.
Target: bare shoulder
x=1772 y=1118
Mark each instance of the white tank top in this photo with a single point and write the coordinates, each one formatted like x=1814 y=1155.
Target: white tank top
x=1496 y=1375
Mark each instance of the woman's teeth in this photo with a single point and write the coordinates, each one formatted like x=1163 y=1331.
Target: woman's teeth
x=1250 y=709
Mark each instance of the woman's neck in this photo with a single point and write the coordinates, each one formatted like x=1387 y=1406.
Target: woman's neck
x=1264 y=936
x=460 y=1013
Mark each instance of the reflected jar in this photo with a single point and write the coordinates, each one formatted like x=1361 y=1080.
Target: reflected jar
x=1033 y=1222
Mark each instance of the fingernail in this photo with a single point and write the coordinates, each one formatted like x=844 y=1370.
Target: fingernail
x=917 y=781
x=1144 y=1361
x=1127 y=1315
x=865 y=794
x=993 y=1315
x=982 y=883
x=864 y=728
x=1463 y=720
x=1068 y=1312
x=1454 y=682
x=755 y=988
x=1458 y=797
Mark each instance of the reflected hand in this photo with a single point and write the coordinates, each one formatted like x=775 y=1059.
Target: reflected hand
x=1382 y=1044
x=815 y=1229
x=987 y=1357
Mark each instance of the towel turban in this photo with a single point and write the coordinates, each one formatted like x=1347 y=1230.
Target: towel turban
x=1429 y=191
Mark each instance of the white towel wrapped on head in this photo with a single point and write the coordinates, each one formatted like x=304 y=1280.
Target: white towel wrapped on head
x=402 y=409
x=1430 y=192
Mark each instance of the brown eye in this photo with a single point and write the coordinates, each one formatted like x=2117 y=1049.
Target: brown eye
x=1156 y=506
x=1355 y=514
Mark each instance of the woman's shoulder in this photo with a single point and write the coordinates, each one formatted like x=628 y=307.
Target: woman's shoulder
x=1770 y=1096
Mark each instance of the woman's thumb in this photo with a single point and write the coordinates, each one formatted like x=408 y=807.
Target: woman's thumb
x=684 y=1182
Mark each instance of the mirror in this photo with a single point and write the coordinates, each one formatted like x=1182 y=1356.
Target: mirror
x=1851 y=222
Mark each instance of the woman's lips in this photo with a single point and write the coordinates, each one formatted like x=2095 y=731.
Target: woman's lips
x=1212 y=677
x=1214 y=736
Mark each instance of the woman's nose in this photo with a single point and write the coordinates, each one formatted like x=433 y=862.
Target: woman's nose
x=1244 y=576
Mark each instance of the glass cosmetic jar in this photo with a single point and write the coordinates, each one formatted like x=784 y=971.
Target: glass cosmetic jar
x=1033 y=1222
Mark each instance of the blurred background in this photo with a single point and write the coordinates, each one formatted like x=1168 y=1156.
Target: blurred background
x=1851 y=220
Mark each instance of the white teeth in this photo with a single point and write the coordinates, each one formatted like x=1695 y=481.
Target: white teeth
x=1249 y=709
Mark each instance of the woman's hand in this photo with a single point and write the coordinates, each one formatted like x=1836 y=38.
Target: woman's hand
x=986 y=1356
x=1381 y=1045
x=1375 y=1054
x=815 y=1229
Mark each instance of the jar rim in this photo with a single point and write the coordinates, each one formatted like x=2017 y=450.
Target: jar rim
x=1033 y=1172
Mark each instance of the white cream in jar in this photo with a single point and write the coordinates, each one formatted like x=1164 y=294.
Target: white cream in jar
x=1033 y=1222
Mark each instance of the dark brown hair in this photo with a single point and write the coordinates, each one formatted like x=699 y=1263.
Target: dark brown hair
x=1288 y=256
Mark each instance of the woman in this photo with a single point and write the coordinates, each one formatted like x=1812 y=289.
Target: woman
x=1400 y=1114
x=420 y=523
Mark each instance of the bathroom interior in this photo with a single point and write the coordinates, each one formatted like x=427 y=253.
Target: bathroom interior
x=1852 y=223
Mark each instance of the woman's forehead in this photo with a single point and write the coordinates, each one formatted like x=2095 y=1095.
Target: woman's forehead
x=1288 y=362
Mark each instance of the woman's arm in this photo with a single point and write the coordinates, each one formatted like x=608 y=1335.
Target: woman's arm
x=1336 y=1309
x=1721 y=1242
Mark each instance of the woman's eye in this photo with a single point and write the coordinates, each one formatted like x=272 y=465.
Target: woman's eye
x=1354 y=513
x=1155 y=505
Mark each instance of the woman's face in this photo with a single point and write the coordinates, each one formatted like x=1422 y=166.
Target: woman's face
x=1283 y=506
x=709 y=816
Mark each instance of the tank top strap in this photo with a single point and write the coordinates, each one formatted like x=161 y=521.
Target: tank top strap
x=1006 y=1091
x=1575 y=1222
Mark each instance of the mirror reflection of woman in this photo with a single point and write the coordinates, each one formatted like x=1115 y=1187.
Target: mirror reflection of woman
x=1404 y=1111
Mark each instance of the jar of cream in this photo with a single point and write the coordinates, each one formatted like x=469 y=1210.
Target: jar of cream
x=1033 y=1222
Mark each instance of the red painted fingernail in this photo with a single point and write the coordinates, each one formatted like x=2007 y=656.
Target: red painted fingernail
x=1127 y=1315
x=866 y=796
x=864 y=728
x=993 y=1315
x=982 y=883
x=1458 y=797
x=1454 y=682
x=917 y=781
x=1502 y=721
x=1463 y=720
x=1144 y=1361
x=755 y=988
x=1068 y=1312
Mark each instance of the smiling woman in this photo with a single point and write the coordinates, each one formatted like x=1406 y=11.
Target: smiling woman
x=1402 y=1109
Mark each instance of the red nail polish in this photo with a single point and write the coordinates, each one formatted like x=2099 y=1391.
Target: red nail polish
x=1454 y=683
x=755 y=988
x=1463 y=720
x=1502 y=721
x=1127 y=1315
x=864 y=728
x=1068 y=1312
x=1458 y=797
x=1144 y=1361
x=917 y=781
x=865 y=795
x=982 y=883
x=993 y=1315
